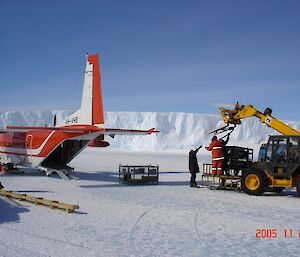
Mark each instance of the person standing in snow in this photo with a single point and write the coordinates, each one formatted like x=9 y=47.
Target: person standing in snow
x=216 y=148
x=193 y=166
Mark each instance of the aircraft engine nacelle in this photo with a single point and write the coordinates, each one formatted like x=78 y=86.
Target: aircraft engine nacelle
x=98 y=142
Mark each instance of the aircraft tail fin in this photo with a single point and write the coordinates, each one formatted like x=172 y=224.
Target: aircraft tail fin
x=91 y=110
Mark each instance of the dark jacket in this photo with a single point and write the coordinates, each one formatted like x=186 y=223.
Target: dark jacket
x=193 y=162
x=224 y=142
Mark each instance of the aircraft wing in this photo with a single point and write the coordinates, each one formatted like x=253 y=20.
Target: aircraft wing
x=82 y=128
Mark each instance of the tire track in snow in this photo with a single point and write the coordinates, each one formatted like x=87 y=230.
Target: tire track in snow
x=131 y=233
x=195 y=224
x=16 y=250
x=45 y=238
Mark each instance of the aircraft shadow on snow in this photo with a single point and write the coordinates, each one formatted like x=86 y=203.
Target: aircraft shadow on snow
x=10 y=210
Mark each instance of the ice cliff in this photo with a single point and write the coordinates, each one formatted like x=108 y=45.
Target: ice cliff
x=178 y=131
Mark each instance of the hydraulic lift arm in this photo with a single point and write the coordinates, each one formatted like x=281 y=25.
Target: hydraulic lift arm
x=243 y=111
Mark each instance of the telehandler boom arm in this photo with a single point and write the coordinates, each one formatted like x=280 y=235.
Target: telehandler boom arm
x=243 y=111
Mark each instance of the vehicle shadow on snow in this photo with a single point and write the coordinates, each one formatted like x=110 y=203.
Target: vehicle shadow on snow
x=165 y=182
x=174 y=183
x=285 y=193
x=10 y=210
x=104 y=176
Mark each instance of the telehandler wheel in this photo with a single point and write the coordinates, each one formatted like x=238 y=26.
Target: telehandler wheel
x=298 y=185
x=253 y=182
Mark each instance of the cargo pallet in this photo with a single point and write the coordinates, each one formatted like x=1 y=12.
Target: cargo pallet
x=138 y=174
x=230 y=182
x=39 y=201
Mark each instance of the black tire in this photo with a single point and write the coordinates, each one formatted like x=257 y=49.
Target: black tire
x=253 y=182
x=298 y=185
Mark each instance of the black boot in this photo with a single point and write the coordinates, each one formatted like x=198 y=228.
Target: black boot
x=1 y=186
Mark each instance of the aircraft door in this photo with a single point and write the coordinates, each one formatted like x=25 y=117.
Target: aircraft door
x=29 y=140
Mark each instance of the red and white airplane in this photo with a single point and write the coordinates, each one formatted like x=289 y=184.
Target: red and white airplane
x=50 y=149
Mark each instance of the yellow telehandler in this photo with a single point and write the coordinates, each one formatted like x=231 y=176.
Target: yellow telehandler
x=278 y=164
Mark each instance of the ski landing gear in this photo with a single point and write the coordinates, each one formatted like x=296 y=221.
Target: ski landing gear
x=65 y=172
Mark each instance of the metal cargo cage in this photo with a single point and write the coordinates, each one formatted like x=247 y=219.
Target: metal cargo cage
x=138 y=174
x=236 y=159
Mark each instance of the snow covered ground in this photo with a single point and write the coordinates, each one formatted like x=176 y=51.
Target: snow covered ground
x=169 y=219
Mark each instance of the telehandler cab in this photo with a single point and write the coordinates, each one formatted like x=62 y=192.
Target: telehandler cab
x=278 y=167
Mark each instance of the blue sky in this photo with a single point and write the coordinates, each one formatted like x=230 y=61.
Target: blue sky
x=168 y=56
